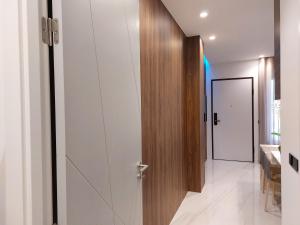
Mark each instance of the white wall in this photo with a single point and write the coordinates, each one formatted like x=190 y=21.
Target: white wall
x=290 y=108
x=2 y=169
x=20 y=114
x=12 y=146
x=233 y=70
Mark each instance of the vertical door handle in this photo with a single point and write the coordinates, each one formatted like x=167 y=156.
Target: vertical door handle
x=216 y=120
x=141 y=169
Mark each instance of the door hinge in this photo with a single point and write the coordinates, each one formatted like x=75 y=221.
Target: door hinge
x=205 y=117
x=50 y=31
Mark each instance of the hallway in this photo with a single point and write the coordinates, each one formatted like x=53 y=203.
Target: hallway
x=231 y=196
x=149 y=112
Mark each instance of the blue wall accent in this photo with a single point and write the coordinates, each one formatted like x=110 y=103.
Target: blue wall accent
x=208 y=68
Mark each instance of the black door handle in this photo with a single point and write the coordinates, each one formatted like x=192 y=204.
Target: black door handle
x=216 y=121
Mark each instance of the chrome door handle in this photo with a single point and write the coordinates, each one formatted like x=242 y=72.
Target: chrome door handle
x=141 y=169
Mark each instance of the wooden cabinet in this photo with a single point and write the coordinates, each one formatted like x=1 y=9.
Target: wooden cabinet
x=195 y=113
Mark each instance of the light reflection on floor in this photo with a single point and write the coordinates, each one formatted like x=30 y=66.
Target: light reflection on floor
x=231 y=197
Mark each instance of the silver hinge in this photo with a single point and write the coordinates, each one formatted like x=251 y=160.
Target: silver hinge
x=141 y=169
x=50 y=34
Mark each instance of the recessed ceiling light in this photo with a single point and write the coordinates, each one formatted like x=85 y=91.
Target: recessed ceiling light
x=203 y=14
x=212 y=37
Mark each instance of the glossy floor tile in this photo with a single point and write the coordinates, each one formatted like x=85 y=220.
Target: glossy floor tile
x=231 y=196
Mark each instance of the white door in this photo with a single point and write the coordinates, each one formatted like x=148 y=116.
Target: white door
x=97 y=78
x=232 y=119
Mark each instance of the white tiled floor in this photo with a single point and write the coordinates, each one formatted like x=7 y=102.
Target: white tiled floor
x=231 y=197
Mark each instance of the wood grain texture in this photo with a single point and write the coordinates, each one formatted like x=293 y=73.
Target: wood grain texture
x=277 y=48
x=196 y=109
x=203 y=112
x=163 y=115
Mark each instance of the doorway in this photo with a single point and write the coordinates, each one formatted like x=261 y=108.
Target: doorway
x=232 y=105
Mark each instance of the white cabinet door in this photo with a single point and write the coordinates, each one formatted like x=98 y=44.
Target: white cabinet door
x=232 y=119
x=98 y=115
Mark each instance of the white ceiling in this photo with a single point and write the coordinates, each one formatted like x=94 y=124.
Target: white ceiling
x=244 y=28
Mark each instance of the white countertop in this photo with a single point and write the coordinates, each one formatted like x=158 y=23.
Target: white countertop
x=277 y=155
x=274 y=149
x=269 y=146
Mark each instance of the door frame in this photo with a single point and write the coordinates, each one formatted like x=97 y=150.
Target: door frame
x=52 y=125
x=212 y=113
x=24 y=99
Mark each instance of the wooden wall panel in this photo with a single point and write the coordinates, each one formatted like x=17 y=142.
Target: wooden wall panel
x=163 y=112
x=196 y=109
x=203 y=114
x=277 y=48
